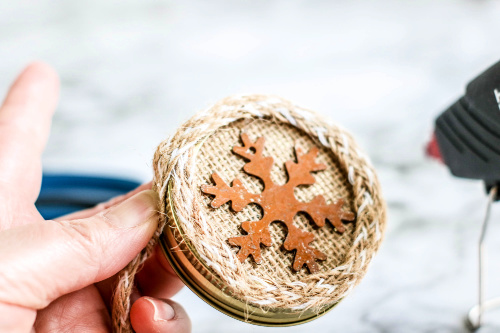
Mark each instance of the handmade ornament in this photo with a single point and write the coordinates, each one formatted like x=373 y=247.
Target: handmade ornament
x=268 y=213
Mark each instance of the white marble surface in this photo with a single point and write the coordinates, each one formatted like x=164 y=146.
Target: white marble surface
x=133 y=70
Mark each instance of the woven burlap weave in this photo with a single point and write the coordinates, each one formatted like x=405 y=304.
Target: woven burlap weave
x=203 y=145
x=216 y=155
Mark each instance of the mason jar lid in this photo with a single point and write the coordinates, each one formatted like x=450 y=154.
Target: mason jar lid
x=272 y=215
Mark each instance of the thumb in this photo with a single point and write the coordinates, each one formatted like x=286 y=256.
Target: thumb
x=43 y=261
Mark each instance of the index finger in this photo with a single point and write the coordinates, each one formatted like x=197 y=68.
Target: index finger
x=25 y=119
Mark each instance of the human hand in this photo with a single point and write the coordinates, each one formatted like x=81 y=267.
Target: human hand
x=59 y=275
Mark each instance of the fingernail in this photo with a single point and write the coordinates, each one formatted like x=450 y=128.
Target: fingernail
x=162 y=310
x=134 y=211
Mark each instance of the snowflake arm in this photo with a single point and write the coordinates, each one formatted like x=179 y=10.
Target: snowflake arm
x=259 y=165
x=237 y=194
x=258 y=233
x=299 y=240
x=320 y=211
x=299 y=173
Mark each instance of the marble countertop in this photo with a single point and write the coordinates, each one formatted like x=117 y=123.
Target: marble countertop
x=133 y=70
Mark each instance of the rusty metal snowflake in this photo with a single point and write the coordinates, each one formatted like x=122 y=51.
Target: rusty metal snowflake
x=278 y=203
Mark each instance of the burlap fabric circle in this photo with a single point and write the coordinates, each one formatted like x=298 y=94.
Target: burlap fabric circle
x=203 y=145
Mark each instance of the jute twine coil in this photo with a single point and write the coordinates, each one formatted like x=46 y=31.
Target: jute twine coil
x=180 y=161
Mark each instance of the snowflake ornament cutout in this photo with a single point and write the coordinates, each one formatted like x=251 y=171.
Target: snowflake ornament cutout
x=278 y=203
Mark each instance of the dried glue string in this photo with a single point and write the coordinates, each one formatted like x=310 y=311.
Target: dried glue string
x=173 y=164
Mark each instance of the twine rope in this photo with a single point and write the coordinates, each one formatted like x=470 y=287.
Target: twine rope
x=173 y=163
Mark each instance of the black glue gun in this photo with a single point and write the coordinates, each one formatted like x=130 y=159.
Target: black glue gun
x=467 y=134
x=467 y=139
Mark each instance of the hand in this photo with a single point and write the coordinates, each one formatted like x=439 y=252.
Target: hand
x=58 y=276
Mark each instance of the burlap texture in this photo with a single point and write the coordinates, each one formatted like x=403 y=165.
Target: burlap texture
x=216 y=155
x=203 y=146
